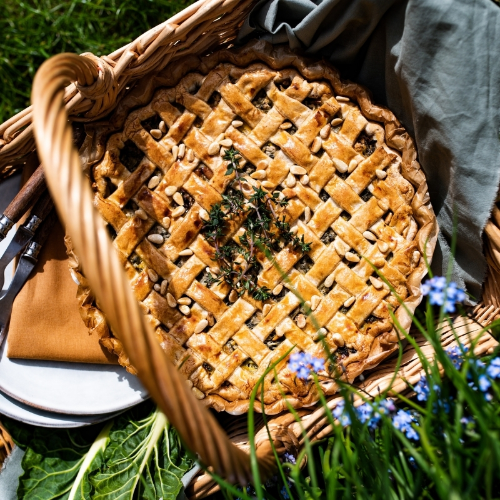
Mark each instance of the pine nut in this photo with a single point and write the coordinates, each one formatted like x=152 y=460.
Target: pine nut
x=201 y=326
x=376 y=283
x=379 y=263
x=352 y=165
x=290 y=181
x=266 y=309
x=166 y=222
x=371 y=188
x=156 y=133
x=170 y=190
x=341 y=98
x=185 y=310
x=227 y=143
x=340 y=165
x=325 y=131
x=382 y=246
x=220 y=137
x=307 y=215
x=204 y=214
x=162 y=127
x=294 y=229
x=338 y=339
x=301 y=321
x=157 y=287
x=381 y=174
x=267 y=184
x=153 y=275
x=175 y=152
x=213 y=149
x=321 y=333
x=178 y=212
x=259 y=174
x=415 y=257
x=351 y=257
x=277 y=289
x=141 y=214
x=236 y=123
x=157 y=239
x=190 y=156
x=184 y=301
x=233 y=296
x=186 y=252
x=369 y=236
x=285 y=125
x=336 y=122
x=349 y=302
x=296 y=170
x=179 y=199
x=340 y=247
x=262 y=165
x=153 y=182
x=197 y=393
x=163 y=287
x=316 y=145
x=329 y=280
x=383 y=204
x=182 y=151
x=304 y=180
x=315 y=300
x=171 y=300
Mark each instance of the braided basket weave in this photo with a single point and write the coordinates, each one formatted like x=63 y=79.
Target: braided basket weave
x=86 y=88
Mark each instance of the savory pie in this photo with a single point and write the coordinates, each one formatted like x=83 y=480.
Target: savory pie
x=255 y=205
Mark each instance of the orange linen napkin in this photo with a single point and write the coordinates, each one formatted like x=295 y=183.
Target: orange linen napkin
x=45 y=322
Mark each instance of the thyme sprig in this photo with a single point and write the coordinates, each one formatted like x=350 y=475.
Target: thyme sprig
x=263 y=229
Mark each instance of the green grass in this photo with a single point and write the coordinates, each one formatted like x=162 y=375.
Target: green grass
x=33 y=30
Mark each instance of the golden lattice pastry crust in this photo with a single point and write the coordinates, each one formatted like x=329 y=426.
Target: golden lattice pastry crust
x=359 y=197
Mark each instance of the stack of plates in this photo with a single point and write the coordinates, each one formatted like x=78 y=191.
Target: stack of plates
x=57 y=394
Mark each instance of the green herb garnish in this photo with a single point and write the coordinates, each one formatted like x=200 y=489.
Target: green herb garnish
x=264 y=229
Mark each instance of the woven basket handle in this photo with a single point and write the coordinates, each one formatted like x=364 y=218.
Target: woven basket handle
x=73 y=199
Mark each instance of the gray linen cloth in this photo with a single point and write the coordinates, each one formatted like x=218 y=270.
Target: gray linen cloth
x=436 y=65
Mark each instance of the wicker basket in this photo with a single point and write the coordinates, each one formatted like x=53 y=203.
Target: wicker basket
x=88 y=88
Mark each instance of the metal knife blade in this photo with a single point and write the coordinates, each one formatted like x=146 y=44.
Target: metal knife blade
x=25 y=232
x=24 y=268
x=27 y=262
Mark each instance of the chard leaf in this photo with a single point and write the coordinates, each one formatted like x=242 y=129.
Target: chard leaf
x=51 y=463
x=144 y=460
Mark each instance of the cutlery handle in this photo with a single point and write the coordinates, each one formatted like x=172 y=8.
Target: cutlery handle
x=42 y=233
x=30 y=192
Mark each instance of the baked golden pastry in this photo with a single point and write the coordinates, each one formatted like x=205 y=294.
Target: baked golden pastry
x=255 y=190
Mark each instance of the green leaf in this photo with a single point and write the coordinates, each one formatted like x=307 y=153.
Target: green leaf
x=52 y=461
x=139 y=461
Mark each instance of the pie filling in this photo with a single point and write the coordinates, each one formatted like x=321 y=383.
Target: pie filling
x=253 y=211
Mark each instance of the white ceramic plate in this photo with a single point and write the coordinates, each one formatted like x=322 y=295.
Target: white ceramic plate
x=70 y=388
x=29 y=415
